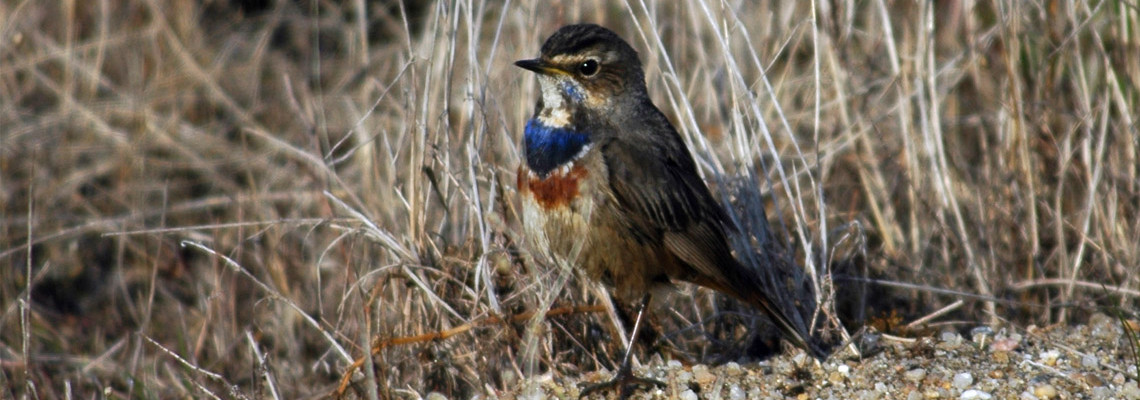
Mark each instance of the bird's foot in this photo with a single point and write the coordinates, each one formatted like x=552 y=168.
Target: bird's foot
x=623 y=381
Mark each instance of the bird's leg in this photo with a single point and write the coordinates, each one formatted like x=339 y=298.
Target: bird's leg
x=624 y=376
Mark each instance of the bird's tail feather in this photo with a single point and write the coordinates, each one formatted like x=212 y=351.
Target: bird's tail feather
x=794 y=332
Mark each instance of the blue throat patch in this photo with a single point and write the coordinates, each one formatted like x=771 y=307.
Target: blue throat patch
x=572 y=92
x=548 y=148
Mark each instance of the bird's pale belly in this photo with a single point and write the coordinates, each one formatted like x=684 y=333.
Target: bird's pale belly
x=570 y=217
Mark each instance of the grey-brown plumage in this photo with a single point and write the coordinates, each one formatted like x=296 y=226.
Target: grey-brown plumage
x=609 y=185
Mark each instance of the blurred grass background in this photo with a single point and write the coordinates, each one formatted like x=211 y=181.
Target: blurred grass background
x=238 y=198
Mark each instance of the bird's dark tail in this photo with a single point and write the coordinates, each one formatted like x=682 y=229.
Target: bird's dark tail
x=797 y=333
x=748 y=286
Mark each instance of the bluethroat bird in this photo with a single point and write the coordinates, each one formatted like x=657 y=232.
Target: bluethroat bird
x=609 y=186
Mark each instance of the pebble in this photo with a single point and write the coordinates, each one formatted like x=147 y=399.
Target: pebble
x=947 y=336
x=435 y=396
x=950 y=340
x=1004 y=345
x=1089 y=378
x=702 y=375
x=1102 y=392
x=799 y=358
x=935 y=393
x=1045 y=391
x=1130 y=390
x=688 y=395
x=1049 y=357
x=1089 y=361
x=975 y=395
x=963 y=380
x=736 y=393
x=915 y=375
x=835 y=378
x=1118 y=379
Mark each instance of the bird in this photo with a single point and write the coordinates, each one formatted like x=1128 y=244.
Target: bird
x=608 y=185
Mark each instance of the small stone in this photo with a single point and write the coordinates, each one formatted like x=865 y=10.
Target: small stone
x=1049 y=357
x=1045 y=391
x=736 y=393
x=975 y=395
x=674 y=364
x=702 y=376
x=844 y=369
x=963 y=380
x=1004 y=345
x=800 y=358
x=1102 y=392
x=435 y=396
x=1118 y=379
x=835 y=378
x=688 y=395
x=915 y=375
x=950 y=340
x=1089 y=378
x=732 y=368
x=1130 y=390
x=868 y=395
x=1089 y=361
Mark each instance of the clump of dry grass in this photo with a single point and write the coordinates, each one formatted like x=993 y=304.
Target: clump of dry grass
x=201 y=199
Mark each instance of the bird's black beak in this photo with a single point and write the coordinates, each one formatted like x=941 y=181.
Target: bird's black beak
x=536 y=65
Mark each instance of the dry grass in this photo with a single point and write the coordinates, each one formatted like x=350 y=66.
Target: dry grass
x=203 y=200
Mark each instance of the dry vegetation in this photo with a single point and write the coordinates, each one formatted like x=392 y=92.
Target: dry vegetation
x=206 y=198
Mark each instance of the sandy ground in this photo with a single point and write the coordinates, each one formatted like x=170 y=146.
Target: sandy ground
x=1091 y=361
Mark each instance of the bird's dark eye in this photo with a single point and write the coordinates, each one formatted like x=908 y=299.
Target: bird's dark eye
x=588 y=67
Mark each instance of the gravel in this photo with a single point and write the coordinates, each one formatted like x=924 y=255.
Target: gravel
x=1091 y=361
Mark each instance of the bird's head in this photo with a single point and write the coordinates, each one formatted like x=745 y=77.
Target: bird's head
x=585 y=67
